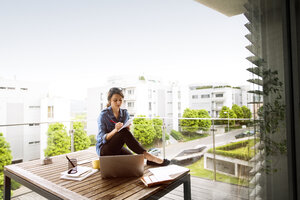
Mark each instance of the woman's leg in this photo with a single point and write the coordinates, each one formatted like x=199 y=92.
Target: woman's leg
x=125 y=151
x=115 y=146
x=116 y=143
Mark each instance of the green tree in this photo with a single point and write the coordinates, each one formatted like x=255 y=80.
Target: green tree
x=157 y=124
x=238 y=111
x=5 y=159
x=246 y=112
x=143 y=130
x=58 y=141
x=191 y=125
x=204 y=124
x=81 y=140
x=224 y=114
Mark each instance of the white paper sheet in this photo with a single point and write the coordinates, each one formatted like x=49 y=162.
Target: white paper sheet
x=126 y=124
x=168 y=170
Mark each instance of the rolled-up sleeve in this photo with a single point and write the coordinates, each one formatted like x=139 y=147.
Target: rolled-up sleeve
x=101 y=137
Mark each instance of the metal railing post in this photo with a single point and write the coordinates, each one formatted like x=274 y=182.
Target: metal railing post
x=164 y=139
x=214 y=151
x=72 y=136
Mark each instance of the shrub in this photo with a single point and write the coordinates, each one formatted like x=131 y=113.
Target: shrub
x=234 y=145
x=227 y=150
x=58 y=141
x=93 y=140
x=5 y=159
x=157 y=124
x=176 y=135
x=143 y=130
x=81 y=140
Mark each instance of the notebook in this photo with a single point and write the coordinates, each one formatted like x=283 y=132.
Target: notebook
x=122 y=166
x=82 y=173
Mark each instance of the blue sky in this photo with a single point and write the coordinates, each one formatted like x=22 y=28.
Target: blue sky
x=78 y=44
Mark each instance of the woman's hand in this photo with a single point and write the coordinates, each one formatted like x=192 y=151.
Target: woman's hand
x=118 y=126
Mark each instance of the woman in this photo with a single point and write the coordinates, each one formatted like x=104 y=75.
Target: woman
x=110 y=141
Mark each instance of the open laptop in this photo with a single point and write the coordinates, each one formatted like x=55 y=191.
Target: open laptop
x=122 y=166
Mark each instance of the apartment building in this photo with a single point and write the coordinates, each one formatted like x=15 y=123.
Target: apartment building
x=28 y=103
x=213 y=97
x=150 y=97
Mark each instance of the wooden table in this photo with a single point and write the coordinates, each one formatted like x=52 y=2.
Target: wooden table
x=45 y=180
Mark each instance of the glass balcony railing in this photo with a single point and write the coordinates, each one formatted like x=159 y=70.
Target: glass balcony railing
x=219 y=149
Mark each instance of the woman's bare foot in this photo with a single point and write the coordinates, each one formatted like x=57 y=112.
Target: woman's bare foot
x=152 y=158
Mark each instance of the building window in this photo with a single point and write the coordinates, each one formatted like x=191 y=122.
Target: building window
x=130 y=104
x=11 y=88
x=101 y=96
x=169 y=102
x=130 y=92
x=23 y=88
x=179 y=94
x=194 y=96
x=169 y=91
x=34 y=107
x=33 y=124
x=219 y=95
x=50 y=111
x=150 y=93
x=150 y=107
x=101 y=106
x=203 y=96
x=179 y=105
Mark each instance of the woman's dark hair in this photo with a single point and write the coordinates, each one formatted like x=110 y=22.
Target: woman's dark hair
x=113 y=91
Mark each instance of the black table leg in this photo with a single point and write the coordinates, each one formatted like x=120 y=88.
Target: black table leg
x=187 y=188
x=7 y=187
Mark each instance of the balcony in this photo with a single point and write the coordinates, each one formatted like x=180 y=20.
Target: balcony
x=186 y=147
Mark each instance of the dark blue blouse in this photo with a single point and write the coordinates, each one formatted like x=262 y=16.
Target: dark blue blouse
x=106 y=124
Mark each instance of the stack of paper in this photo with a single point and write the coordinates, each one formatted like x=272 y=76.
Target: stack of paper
x=82 y=173
x=169 y=170
x=155 y=180
x=162 y=175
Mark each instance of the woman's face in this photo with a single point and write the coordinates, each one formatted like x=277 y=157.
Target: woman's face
x=116 y=101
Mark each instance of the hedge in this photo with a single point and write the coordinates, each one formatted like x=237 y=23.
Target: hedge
x=225 y=150
x=176 y=135
x=241 y=156
x=234 y=145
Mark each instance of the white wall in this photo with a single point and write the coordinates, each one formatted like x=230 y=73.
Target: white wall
x=94 y=108
x=24 y=102
x=214 y=104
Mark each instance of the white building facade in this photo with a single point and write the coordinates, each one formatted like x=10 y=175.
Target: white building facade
x=149 y=97
x=28 y=103
x=213 y=97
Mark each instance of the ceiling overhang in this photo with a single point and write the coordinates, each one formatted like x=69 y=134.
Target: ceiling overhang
x=226 y=7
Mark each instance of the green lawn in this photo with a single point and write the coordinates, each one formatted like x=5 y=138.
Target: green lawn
x=197 y=169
